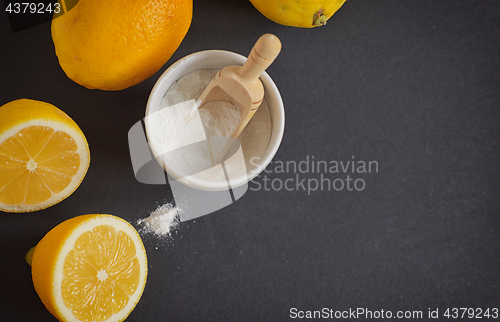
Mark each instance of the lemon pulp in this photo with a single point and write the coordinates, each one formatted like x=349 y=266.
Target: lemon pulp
x=100 y=274
x=36 y=163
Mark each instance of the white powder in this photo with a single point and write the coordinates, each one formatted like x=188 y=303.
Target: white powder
x=213 y=120
x=161 y=221
x=217 y=119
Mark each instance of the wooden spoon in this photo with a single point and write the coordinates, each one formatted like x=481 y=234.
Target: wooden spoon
x=240 y=85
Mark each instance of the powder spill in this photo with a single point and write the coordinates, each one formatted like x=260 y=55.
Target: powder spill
x=161 y=221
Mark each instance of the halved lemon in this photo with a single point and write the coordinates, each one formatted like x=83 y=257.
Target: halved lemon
x=44 y=156
x=90 y=268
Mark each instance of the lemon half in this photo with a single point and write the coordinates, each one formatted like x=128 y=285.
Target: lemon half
x=90 y=268
x=44 y=156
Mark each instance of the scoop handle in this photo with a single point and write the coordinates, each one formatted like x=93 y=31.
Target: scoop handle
x=263 y=53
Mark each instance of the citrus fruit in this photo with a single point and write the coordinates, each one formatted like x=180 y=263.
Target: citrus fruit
x=115 y=44
x=90 y=268
x=44 y=156
x=298 y=13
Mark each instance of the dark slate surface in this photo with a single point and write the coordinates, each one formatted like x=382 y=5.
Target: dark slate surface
x=412 y=85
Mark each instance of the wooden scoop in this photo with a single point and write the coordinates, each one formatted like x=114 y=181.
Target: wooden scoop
x=240 y=85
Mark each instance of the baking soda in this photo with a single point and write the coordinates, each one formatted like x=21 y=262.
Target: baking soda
x=161 y=221
x=214 y=119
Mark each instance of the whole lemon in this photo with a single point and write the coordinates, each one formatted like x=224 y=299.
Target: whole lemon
x=115 y=44
x=298 y=13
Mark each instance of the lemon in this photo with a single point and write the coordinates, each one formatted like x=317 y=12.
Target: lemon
x=115 y=44
x=44 y=156
x=90 y=268
x=298 y=13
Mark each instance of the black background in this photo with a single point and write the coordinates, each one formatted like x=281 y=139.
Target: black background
x=413 y=85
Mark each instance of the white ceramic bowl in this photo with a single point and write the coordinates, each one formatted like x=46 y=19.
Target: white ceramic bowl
x=218 y=59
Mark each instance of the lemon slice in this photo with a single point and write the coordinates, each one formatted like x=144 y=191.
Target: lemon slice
x=90 y=268
x=44 y=156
